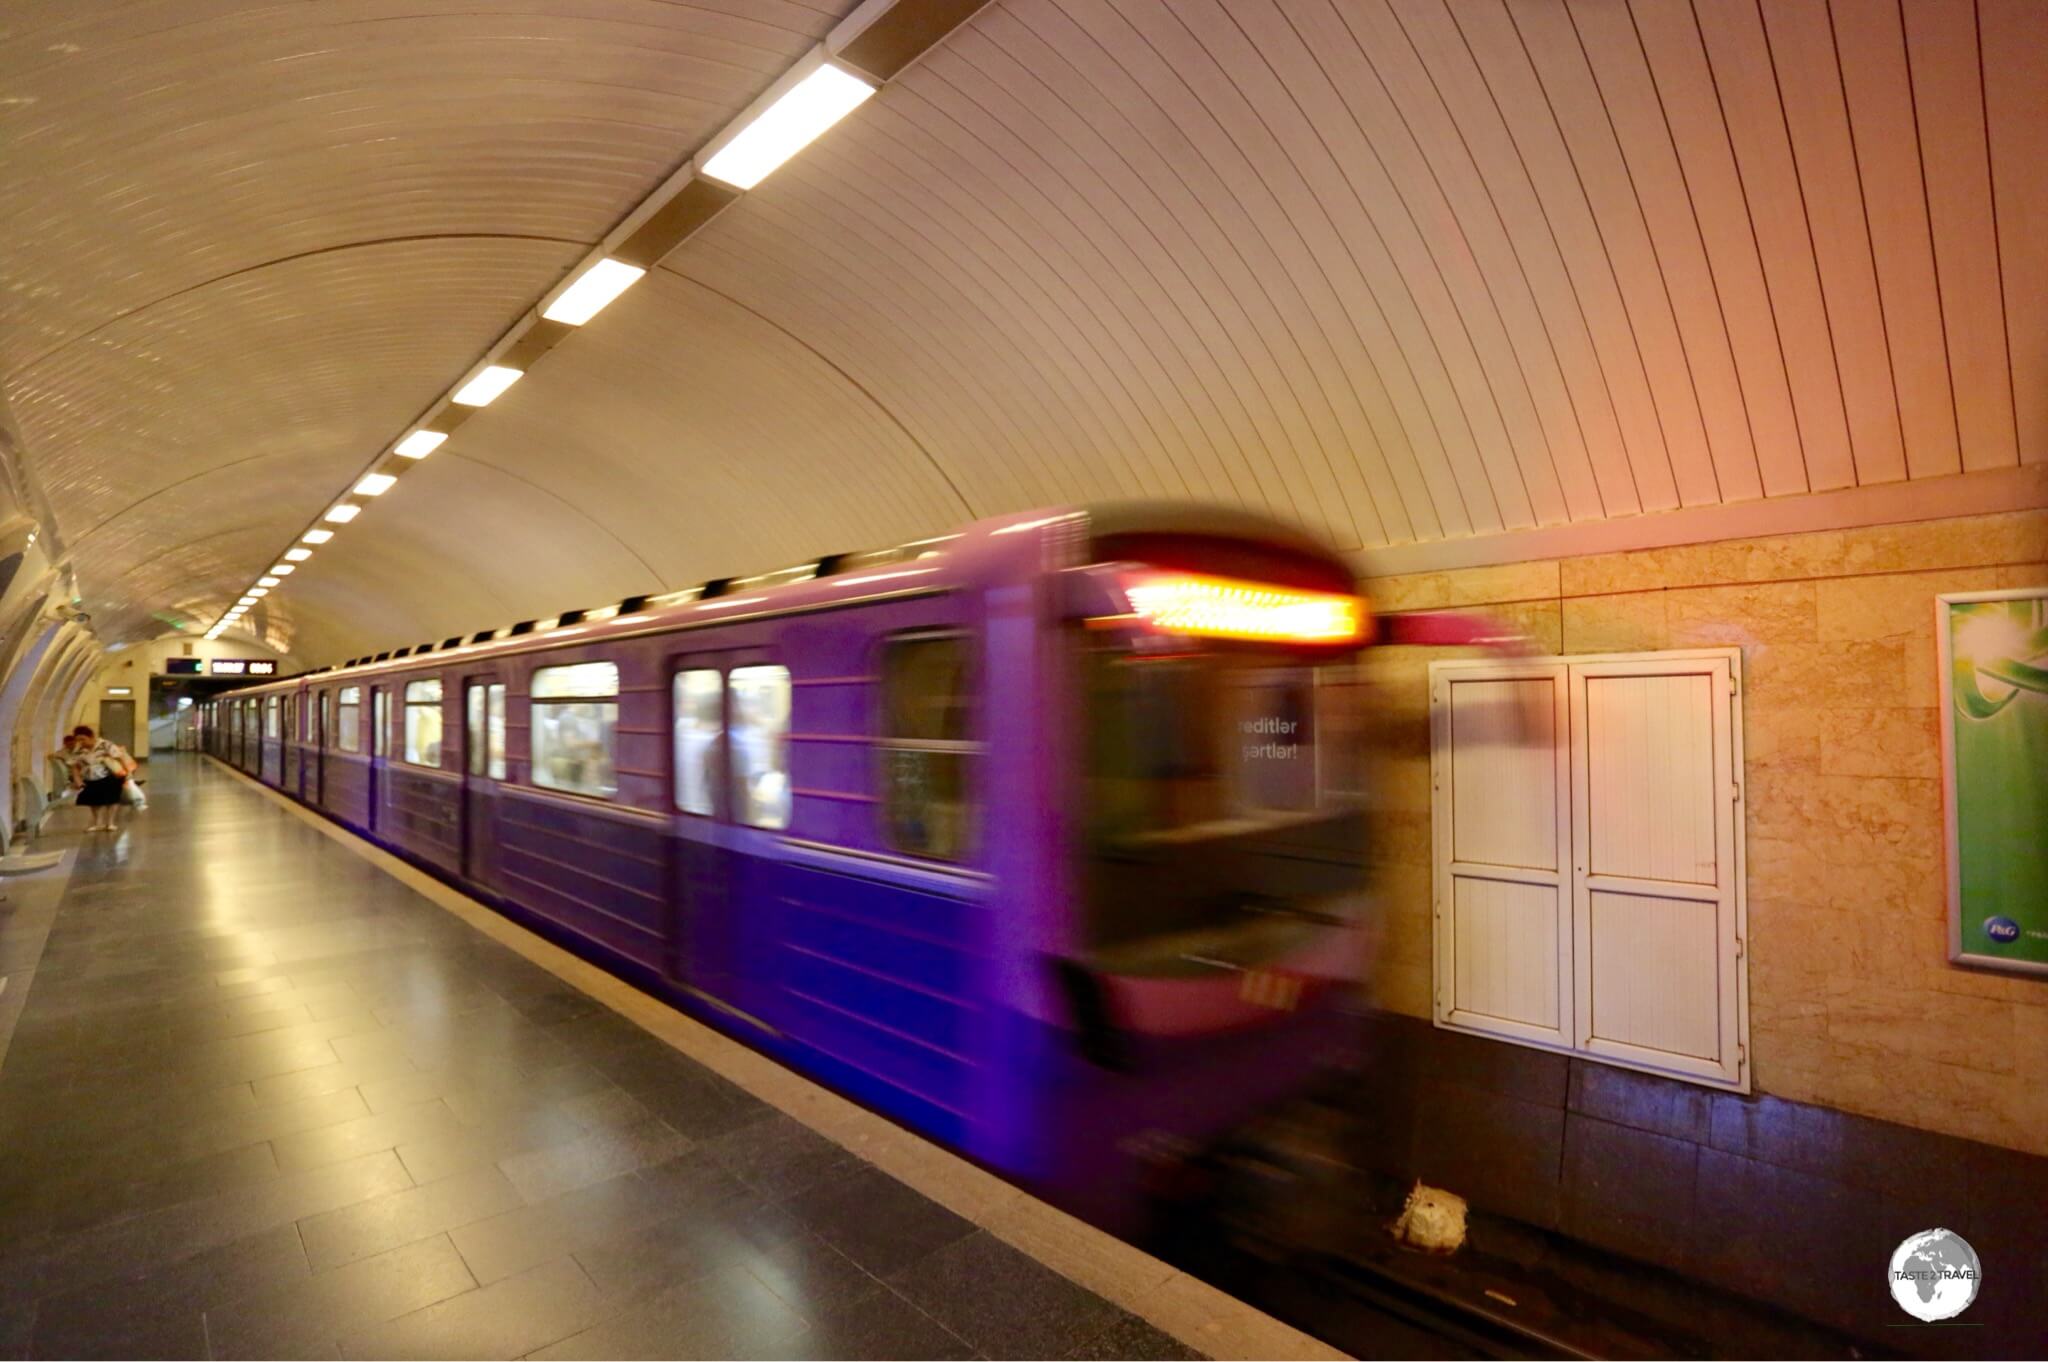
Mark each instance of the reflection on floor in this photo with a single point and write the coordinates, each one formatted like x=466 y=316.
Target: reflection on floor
x=263 y=1101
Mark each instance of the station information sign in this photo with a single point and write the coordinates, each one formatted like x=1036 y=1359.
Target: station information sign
x=237 y=666
x=183 y=666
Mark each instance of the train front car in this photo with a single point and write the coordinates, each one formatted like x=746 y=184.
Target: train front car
x=1213 y=841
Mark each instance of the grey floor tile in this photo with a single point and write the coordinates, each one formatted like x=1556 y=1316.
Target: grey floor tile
x=328 y=1078
x=147 y=1243
x=160 y=1314
x=729 y=1316
x=511 y=1318
x=670 y=1251
x=350 y=1120
x=1131 y=1337
x=808 y=1273
x=504 y=1244
x=601 y=1154
x=877 y=1221
x=1004 y=1303
x=471 y=1146
x=370 y=1227
x=780 y=1157
x=103 y=1198
x=879 y=1326
x=364 y=1135
x=309 y=1318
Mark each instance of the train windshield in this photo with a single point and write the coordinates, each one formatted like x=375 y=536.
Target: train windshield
x=1222 y=787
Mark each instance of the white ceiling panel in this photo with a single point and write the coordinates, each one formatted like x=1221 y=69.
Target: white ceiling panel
x=1402 y=270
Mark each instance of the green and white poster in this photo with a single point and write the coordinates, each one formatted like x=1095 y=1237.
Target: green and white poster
x=1994 y=746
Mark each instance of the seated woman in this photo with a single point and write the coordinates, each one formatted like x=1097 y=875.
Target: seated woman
x=99 y=768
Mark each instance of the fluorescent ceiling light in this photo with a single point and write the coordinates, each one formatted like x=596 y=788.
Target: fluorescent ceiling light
x=419 y=444
x=266 y=581
x=787 y=126
x=317 y=536
x=342 y=514
x=587 y=297
x=282 y=570
x=259 y=591
x=297 y=555
x=246 y=601
x=375 y=484
x=483 y=390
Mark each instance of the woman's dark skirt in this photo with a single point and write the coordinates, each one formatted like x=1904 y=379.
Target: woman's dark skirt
x=97 y=794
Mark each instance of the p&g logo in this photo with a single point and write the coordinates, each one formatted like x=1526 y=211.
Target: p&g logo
x=2001 y=929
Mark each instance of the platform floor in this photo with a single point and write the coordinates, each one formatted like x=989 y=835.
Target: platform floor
x=263 y=1100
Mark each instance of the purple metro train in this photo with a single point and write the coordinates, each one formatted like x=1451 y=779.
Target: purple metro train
x=1042 y=838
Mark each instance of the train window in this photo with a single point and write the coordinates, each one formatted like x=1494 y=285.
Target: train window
x=423 y=722
x=494 y=732
x=575 y=709
x=699 y=726
x=758 y=738
x=326 y=734
x=270 y=718
x=380 y=721
x=348 y=720
x=925 y=746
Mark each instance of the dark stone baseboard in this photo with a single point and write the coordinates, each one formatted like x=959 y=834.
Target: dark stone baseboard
x=1794 y=1205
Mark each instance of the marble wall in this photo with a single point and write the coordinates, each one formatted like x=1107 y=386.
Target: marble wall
x=1853 y=1004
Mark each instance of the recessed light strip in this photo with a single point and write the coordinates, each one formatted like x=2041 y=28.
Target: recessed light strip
x=871 y=46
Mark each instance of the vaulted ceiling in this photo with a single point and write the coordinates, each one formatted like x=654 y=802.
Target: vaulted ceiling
x=1404 y=270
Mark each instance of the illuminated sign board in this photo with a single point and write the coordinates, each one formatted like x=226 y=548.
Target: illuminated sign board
x=236 y=666
x=1221 y=607
x=183 y=666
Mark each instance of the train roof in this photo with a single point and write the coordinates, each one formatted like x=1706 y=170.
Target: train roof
x=1113 y=530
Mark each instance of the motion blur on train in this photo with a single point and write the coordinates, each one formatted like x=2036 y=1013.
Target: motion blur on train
x=1042 y=838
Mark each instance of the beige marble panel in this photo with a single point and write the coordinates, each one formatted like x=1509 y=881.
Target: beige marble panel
x=1401 y=781
x=1921 y=664
x=1615 y=624
x=1464 y=586
x=1787 y=737
x=1869 y=875
x=1786 y=869
x=1403 y=988
x=1776 y=558
x=1864 y=675
x=1891 y=605
x=1870 y=813
x=1784 y=675
x=2012 y=537
x=1765 y=612
x=1402 y=836
x=1783 y=804
x=1880 y=742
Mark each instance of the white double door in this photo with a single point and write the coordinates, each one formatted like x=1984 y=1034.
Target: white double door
x=1588 y=849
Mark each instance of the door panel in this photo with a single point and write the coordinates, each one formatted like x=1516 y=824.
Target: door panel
x=1654 y=902
x=1503 y=937
x=117 y=723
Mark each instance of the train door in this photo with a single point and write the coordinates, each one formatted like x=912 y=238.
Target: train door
x=302 y=720
x=380 y=748
x=701 y=934
x=483 y=767
x=323 y=725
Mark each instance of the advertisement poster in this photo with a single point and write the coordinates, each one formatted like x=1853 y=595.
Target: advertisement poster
x=1994 y=747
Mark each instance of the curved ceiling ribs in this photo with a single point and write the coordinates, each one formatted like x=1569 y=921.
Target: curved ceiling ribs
x=1404 y=270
